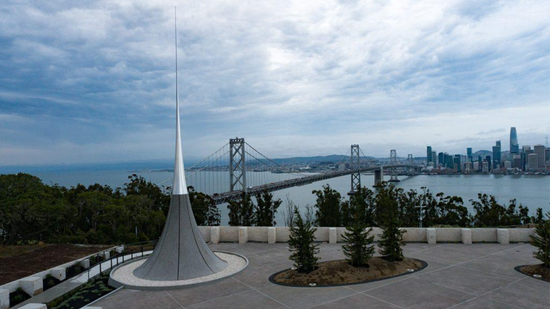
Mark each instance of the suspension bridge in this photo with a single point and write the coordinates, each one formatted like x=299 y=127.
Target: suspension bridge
x=237 y=168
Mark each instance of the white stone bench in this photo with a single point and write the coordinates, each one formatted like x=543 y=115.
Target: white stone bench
x=59 y=273
x=32 y=285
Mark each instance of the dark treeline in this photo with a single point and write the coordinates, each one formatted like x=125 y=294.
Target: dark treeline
x=331 y=209
x=33 y=211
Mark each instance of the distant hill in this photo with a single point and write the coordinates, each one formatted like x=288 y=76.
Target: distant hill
x=314 y=159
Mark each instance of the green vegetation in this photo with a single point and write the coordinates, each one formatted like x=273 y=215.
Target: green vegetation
x=18 y=297
x=328 y=207
x=391 y=241
x=83 y=295
x=491 y=213
x=541 y=240
x=32 y=211
x=266 y=209
x=358 y=248
x=241 y=212
x=204 y=208
x=301 y=244
x=435 y=210
x=244 y=212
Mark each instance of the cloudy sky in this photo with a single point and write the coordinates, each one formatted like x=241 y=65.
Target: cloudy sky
x=94 y=81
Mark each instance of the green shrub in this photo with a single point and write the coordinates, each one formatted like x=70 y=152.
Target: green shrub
x=541 y=240
x=17 y=298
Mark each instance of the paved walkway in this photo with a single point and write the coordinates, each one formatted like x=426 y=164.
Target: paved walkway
x=457 y=276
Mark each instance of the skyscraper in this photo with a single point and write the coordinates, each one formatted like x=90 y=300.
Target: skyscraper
x=469 y=152
x=540 y=150
x=533 y=160
x=497 y=155
x=429 y=155
x=514 y=146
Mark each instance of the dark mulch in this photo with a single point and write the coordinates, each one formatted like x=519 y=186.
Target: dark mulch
x=49 y=282
x=45 y=257
x=18 y=297
x=538 y=269
x=340 y=272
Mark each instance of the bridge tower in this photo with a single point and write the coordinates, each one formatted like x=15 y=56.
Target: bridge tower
x=237 y=165
x=355 y=160
x=393 y=170
x=410 y=162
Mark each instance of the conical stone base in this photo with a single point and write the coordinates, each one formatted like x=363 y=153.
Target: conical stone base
x=181 y=252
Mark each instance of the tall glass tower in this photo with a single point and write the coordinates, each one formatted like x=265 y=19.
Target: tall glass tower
x=514 y=146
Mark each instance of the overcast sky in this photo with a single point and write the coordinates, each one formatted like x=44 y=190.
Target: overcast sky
x=94 y=81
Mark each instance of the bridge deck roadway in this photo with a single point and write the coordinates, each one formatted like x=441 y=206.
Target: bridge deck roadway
x=275 y=186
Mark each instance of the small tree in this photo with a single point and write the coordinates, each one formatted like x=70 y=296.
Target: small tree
x=266 y=209
x=391 y=241
x=358 y=248
x=541 y=240
x=301 y=244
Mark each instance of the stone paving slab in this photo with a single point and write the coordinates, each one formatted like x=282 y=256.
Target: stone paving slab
x=457 y=276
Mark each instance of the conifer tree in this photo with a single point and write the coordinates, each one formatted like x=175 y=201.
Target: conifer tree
x=541 y=240
x=358 y=248
x=301 y=244
x=391 y=241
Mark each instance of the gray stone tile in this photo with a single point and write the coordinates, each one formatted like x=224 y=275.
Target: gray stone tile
x=482 y=303
x=126 y=298
x=363 y=287
x=444 y=254
x=201 y=293
x=258 y=277
x=501 y=265
x=479 y=267
x=466 y=280
x=526 y=293
x=357 y=301
x=305 y=297
x=246 y=300
x=418 y=293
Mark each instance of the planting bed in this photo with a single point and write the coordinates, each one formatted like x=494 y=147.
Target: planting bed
x=49 y=282
x=83 y=295
x=40 y=258
x=18 y=297
x=531 y=270
x=340 y=272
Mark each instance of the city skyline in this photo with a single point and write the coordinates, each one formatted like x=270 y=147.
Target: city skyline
x=92 y=83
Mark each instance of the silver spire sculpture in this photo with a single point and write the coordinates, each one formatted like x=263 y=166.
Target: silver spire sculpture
x=181 y=252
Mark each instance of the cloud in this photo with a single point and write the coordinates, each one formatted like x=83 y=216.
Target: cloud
x=96 y=79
